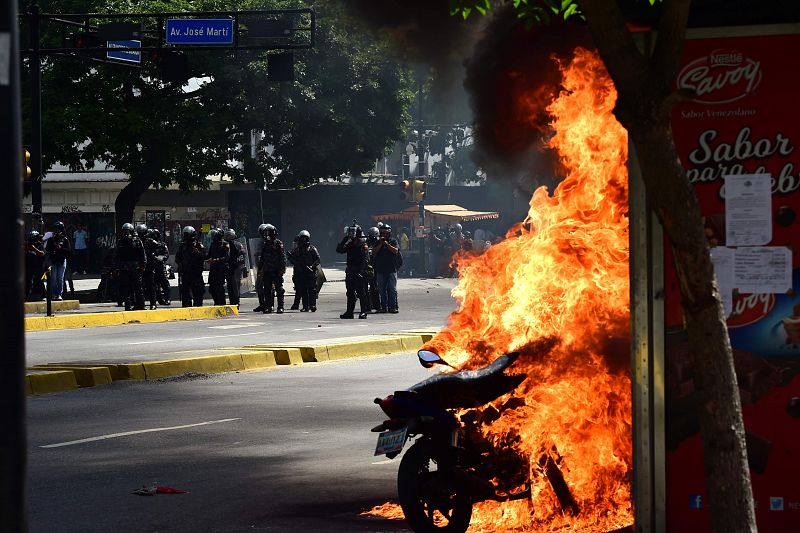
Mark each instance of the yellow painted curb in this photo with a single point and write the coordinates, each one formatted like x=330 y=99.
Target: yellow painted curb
x=116 y=318
x=210 y=364
x=258 y=360
x=341 y=350
x=85 y=376
x=59 y=305
x=46 y=382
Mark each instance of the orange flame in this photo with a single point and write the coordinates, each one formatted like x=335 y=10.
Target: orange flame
x=561 y=274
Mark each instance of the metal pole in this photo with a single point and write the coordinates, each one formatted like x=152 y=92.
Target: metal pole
x=35 y=65
x=13 y=459
x=420 y=163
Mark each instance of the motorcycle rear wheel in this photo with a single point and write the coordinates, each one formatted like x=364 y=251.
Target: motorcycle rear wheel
x=431 y=502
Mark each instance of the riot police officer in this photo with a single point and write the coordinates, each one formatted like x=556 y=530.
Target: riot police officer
x=160 y=271
x=355 y=246
x=373 y=236
x=305 y=258
x=219 y=254
x=130 y=261
x=236 y=266
x=34 y=266
x=189 y=257
x=149 y=274
x=271 y=268
x=262 y=300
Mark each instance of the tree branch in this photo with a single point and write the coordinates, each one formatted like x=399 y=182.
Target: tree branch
x=622 y=58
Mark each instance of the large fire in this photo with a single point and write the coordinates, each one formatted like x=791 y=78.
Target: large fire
x=561 y=274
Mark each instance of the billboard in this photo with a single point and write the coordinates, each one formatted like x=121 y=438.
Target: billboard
x=741 y=127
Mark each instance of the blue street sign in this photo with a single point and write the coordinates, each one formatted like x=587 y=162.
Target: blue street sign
x=199 y=31
x=129 y=56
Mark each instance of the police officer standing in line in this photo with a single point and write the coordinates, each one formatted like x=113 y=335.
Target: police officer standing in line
x=236 y=264
x=34 y=266
x=373 y=236
x=160 y=272
x=219 y=254
x=189 y=257
x=129 y=263
x=355 y=246
x=262 y=300
x=272 y=267
x=149 y=275
x=305 y=258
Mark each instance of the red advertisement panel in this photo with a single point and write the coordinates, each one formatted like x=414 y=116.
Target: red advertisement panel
x=743 y=119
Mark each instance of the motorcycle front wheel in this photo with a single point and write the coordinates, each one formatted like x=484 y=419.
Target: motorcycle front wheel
x=431 y=500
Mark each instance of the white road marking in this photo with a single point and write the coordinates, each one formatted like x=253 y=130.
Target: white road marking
x=235 y=326
x=386 y=462
x=127 y=433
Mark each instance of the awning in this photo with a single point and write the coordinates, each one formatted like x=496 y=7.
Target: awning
x=439 y=212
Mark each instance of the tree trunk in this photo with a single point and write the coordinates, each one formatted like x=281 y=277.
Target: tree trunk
x=644 y=85
x=720 y=415
x=129 y=196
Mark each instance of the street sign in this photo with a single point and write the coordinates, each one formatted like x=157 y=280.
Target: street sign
x=199 y=31
x=128 y=56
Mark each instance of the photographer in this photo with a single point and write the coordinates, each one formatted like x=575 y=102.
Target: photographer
x=387 y=260
x=57 y=250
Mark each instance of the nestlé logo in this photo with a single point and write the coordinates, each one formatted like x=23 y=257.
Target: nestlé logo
x=721 y=77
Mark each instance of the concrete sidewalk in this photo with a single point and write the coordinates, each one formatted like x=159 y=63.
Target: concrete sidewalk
x=60 y=376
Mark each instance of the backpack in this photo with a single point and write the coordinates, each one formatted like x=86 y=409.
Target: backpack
x=398 y=260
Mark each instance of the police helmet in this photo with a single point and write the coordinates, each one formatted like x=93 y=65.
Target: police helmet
x=269 y=231
x=141 y=230
x=58 y=226
x=215 y=234
x=457 y=228
x=156 y=234
x=373 y=232
x=151 y=234
x=304 y=237
x=127 y=228
x=467 y=235
x=386 y=230
x=261 y=229
x=188 y=233
x=33 y=236
x=380 y=225
x=230 y=234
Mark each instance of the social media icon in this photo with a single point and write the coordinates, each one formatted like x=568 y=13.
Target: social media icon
x=695 y=501
x=776 y=503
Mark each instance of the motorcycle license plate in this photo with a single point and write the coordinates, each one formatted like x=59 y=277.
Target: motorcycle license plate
x=391 y=441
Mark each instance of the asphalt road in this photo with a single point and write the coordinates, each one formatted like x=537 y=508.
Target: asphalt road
x=423 y=304
x=290 y=450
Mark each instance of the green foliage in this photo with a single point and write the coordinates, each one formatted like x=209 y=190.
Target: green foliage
x=530 y=11
x=347 y=106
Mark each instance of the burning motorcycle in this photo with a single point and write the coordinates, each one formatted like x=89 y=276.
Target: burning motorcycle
x=451 y=465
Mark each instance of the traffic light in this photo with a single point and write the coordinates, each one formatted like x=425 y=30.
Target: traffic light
x=419 y=190
x=173 y=66
x=407 y=188
x=27 y=173
x=80 y=40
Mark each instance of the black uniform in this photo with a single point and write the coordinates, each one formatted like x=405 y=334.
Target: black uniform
x=236 y=266
x=129 y=262
x=149 y=274
x=219 y=253
x=160 y=273
x=189 y=258
x=372 y=279
x=34 y=268
x=271 y=268
x=305 y=258
x=356 y=273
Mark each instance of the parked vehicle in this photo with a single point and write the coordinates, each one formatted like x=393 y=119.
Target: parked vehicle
x=450 y=465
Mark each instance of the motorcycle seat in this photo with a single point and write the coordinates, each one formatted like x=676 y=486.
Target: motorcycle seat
x=469 y=388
